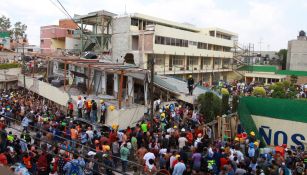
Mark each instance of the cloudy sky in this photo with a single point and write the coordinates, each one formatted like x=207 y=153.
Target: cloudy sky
x=273 y=22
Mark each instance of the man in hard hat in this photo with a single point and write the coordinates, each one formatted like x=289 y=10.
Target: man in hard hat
x=103 y=109
x=190 y=84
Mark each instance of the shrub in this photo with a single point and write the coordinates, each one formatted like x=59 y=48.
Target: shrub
x=259 y=91
x=9 y=65
x=224 y=91
x=210 y=106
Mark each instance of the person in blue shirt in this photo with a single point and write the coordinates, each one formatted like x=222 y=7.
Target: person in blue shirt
x=179 y=167
x=75 y=166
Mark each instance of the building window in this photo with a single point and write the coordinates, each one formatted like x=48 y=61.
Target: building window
x=134 y=22
x=171 y=41
x=159 y=61
x=185 y=43
x=42 y=41
x=167 y=41
x=201 y=45
x=160 y=40
x=193 y=43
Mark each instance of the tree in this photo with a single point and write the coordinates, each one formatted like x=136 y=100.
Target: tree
x=235 y=103
x=259 y=91
x=282 y=53
x=283 y=90
x=293 y=79
x=224 y=91
x=210 y=105
x=5 y=24
x=18 y=31
x=225 y=104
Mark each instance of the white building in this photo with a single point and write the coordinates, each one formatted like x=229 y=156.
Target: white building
x=297 y=53
x=178 y=49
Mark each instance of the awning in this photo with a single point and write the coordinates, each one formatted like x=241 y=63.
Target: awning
x=78 y=74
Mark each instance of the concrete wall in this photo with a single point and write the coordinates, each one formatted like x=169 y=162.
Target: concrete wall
x=71 y=43
x=56 y=43
x=124 y=118
x=297 y=55
x=127 y=117
x=121 y=38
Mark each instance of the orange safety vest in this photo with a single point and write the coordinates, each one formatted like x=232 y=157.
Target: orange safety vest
x=27 y=162
x=73 y=133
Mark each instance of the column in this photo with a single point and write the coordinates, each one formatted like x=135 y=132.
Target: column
x=145 y=93
x=130 y=90
x=103 y=82
x=115 y=87
x=266 y=80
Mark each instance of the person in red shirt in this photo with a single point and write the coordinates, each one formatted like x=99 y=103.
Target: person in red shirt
x=3 y=159
x=224 y=161
x=70 y=109
x=2 y=123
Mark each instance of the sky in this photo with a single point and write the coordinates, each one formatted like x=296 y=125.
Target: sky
x=267 y=24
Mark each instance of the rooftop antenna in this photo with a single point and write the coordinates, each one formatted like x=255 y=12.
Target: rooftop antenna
x=125 y=9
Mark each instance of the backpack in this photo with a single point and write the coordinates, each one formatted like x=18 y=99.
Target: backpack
x=286 y=171
x=74 y=169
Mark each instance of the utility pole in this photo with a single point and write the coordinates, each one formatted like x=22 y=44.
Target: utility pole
x=23 y=63
x=120 y=89
x=152 y=74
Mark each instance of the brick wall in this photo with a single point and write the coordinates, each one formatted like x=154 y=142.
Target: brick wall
x=300 y=79
x=67 y=23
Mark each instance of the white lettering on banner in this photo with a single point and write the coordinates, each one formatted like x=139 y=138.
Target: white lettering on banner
x=278 y=131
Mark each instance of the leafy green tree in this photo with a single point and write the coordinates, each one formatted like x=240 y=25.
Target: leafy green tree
x=224 y=91
x=293 y=79
x=210 y=106
x=282 y=53
x=5 y=24
x=225 y=103
x=18 y=30
x=235 y=103
x=259 y=91
x=278 y=90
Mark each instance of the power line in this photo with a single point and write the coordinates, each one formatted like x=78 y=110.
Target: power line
x=58 y=8
x=64 y=9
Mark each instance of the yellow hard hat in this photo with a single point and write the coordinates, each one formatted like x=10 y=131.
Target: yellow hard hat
x=112 y=108
x=252 y=133
x=163 y=114
x=190 y=76
x=256 y=143
x=236 y=139
x=101 y=101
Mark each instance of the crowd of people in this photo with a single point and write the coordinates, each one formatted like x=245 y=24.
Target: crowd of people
x=177 y=141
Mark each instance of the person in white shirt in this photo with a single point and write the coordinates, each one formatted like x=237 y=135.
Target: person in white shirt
x=79 y=106
x=182 y=141
x=90 y=133
x=148 y=156
x=172 y=159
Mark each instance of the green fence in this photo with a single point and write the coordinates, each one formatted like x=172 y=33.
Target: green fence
x=285 y=109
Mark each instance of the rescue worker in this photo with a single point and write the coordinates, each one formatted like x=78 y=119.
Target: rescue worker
x=190 y=84
x=103 y=109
